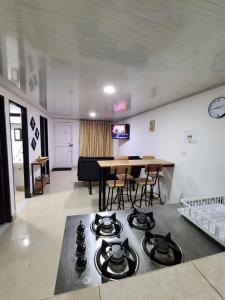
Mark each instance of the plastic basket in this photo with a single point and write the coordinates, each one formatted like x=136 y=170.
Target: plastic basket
x=208 y=213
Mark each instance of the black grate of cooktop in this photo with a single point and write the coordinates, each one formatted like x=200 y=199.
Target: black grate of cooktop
x=141 y=220
x=106 y=226
x=116 y=260
x=162 y=249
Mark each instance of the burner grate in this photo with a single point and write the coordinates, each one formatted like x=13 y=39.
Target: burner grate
x=106 y=226
x=141 y=220
x=162 y=249
x=116 y=260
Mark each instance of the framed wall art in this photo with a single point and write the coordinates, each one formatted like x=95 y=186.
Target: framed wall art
x=32 y=123
x=33 y=144
x=37 y=133
x=18 y=134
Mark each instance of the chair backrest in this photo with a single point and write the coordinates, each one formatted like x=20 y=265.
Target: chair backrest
x=148 y=157
x=153 y=168
x=120 y=170
x=121 y=158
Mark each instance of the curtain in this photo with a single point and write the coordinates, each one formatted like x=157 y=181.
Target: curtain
x=95 y=138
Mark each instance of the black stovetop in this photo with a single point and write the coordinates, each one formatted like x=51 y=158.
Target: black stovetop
x=193 y=242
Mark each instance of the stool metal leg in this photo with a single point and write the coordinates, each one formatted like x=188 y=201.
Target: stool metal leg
x=111 y=199
x=142 y=194
x=107 y=203
x=151 y=195
x=122 y=199
x=127 y=186
x=119 y=198
x=159 y=191
x=130 y=193
x=145 y=193
x=135 y=197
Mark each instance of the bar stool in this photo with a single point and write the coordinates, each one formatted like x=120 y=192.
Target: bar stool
x=153 y=174
x=130 y=178
x=117 y=184
x=148 y=181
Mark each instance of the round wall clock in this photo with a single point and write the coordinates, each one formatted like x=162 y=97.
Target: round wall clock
x=216 y=108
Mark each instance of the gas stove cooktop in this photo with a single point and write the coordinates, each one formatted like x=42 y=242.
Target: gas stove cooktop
x=108 y=246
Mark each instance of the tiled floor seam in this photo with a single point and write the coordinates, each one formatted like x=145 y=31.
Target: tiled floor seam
x=99 y=292
x=221 y=296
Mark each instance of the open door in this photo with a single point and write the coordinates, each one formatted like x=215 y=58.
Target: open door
x=44 y=140
x=5 y=202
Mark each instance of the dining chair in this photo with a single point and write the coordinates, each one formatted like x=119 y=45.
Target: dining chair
x=119 y=185
x=130 y=178
x=148 y=181
x=153 y=174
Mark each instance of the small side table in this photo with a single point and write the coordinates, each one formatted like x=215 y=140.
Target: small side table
x=39 y=183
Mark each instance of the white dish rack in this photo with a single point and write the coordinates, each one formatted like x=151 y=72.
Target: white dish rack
x=208 y=213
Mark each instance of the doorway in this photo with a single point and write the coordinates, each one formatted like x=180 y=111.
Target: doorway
x=44 y=142
x=63 y=146
x=20 y=152
x=5 y=204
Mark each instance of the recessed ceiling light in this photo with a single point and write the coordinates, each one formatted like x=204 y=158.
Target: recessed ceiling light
x=92 y=114
x=109 y=89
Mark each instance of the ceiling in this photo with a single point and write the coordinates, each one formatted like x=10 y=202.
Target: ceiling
x=152 y=51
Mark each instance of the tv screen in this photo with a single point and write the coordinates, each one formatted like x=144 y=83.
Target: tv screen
x=121 y=131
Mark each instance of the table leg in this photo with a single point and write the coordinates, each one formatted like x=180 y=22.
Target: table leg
x=42 y=183
x=32 y=171
x=103 y=190
x=100 y=191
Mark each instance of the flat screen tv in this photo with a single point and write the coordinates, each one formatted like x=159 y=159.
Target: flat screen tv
x=121 y=131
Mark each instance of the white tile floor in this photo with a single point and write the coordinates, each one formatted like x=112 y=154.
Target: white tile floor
x=19 y=197
x=30 y=246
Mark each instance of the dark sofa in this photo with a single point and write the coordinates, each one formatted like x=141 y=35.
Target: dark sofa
x=88 y=169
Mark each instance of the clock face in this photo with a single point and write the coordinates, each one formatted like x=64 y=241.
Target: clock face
x=217 y=108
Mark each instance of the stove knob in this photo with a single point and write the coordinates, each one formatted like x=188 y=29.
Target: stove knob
x=80 y=227
x=81 y=263
x=81 y=248
x=80 y=238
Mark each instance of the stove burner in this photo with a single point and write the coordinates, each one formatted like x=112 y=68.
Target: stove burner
x=162 y=249
x=141 y=220
x=116 y=260
x=106 y=225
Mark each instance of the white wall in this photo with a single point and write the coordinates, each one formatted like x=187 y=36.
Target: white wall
x=31 y=111
x=200 y=167
x=75 y=137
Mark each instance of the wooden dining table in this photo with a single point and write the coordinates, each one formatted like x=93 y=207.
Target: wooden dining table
x=107 y=164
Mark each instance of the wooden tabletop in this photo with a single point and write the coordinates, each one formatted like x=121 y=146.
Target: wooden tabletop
x=134 y=163
x=40 y=162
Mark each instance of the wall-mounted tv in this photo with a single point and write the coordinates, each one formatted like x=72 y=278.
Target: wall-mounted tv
x=121 y=131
